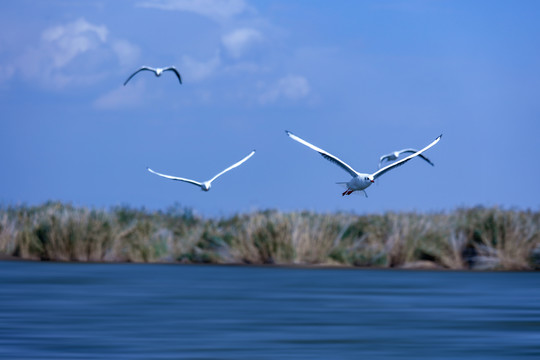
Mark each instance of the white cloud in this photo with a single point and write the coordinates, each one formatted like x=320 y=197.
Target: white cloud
x=291 y=87
x=215 y=9
x=199 y=70
x=238 y=41
x=64 y=42
x=77 y=52
x=126 y=52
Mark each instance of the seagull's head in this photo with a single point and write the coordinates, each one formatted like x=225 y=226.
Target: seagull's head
x=205 y=186
x=369 y=178
x=159 y=71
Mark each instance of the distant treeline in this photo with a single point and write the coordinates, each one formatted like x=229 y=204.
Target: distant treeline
x=474 y=238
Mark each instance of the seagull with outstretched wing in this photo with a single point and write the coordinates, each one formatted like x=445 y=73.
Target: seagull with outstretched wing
x=360 y=181
x=395 y=155
x=156 y=71
x=205 y=185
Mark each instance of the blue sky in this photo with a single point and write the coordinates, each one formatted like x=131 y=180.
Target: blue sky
x=357 y=78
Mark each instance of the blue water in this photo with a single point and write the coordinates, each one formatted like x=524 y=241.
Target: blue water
x=137 y=311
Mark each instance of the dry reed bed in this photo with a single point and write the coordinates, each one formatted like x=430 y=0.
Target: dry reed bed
x=474 y=238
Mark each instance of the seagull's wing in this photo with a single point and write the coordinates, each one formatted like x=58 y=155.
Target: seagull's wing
x=325 y=154
x=232 y=166
x=172 y=68
x=405 y=151
x=136 y=72
x=175 y=178
x=412 y=151
x=382 y=158
x=404 y=160
x=425 y=158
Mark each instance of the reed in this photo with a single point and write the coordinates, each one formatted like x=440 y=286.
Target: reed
x=472 y=238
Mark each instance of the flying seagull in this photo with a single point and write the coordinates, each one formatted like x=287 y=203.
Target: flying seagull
x=394 y=155
x=157 y=71
x=205 y=185
x=359 y=181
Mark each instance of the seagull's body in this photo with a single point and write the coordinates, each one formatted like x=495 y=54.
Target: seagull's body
x=205 y=185
x=359 y=181
x=394 y=156
x=156 y=71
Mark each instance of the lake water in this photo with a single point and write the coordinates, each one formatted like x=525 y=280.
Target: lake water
x=138 y=311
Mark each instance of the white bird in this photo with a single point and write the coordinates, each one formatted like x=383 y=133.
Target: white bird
x=360 y=181
x=394 y=155
x=157 y=71
x=205 y=185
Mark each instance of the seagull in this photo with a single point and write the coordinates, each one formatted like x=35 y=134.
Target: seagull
x=394 y=155
x=157 y=71
x=359 y=181
x=205 y=185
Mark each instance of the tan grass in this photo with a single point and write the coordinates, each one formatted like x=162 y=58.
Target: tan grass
x=479 y=238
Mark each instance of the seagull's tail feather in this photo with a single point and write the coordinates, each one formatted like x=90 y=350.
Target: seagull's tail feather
x=342 y=184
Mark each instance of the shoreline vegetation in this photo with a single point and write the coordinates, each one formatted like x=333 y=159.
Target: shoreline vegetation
x=466 y=238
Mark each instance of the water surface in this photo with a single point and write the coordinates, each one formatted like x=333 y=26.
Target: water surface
x=138 y=311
